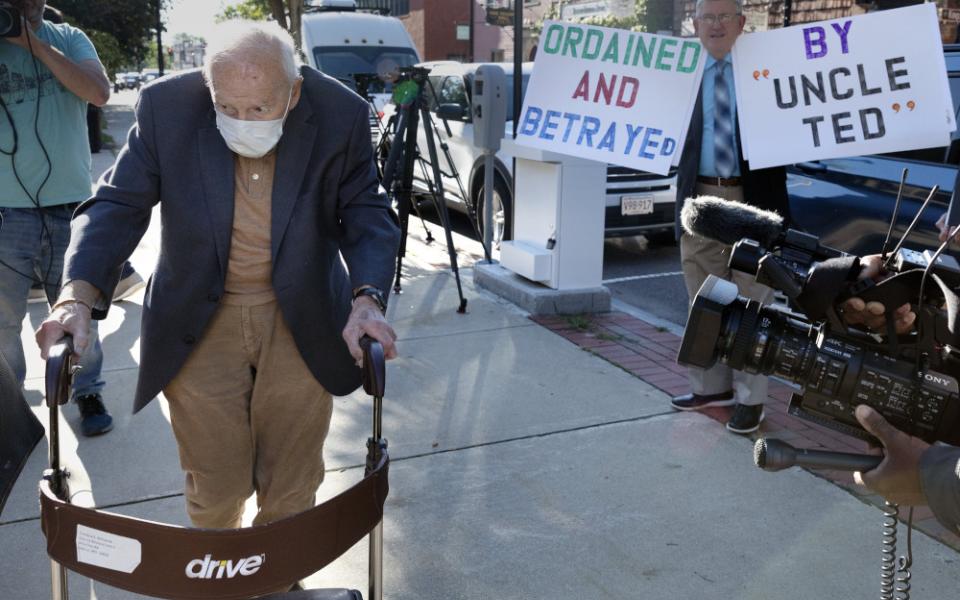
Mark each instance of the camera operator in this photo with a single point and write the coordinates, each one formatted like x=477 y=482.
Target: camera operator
x=48 y=74
x=913 y=472
x=711 y=165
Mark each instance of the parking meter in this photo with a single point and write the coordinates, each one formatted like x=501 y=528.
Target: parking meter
x=489 y=107
x=489 y=114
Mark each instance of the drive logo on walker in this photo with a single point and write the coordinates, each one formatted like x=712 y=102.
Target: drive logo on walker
x=210 y=568
x=611 y=95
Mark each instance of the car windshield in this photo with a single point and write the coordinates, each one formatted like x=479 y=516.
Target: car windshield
x=342 y=62
x=509 y=91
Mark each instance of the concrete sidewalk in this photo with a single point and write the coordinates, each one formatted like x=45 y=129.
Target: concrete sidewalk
x=523 y=467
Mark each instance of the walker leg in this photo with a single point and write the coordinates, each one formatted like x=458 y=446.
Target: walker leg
x=58 y=581
x=376 y=562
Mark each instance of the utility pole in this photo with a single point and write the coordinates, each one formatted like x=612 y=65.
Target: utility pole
x=517 y=62
x=159 y=39
x=472 y=3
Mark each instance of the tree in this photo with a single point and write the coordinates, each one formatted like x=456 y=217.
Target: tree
x=111 y=55
x=635 y=21
x=131 y=24
x=288 y=13
x=250 y=10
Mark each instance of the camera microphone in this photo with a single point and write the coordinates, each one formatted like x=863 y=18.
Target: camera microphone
x=728 y=221
x=776 y=455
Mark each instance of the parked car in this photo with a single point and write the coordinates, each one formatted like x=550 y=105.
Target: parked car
x=126 y=81
x=848 y=202
x=449 y=94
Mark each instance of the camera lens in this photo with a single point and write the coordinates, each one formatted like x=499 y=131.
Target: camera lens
x=746 y=335
x=767 y=340
x=6 y=22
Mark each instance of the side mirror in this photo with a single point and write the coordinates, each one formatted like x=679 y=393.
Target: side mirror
x=451 y=112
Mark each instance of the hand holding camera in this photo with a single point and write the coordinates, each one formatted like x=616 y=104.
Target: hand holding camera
x=909 y=379
x=18 y=18
x=873 y=314
x=897 y=477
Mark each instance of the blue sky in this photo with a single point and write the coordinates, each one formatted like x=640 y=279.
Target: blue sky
x=193 y=16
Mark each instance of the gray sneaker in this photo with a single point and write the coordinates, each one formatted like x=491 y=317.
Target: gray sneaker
x=128 y=286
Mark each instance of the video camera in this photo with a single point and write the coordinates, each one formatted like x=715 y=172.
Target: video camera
x=910 y=379
x=417 y=74
x=10 y=19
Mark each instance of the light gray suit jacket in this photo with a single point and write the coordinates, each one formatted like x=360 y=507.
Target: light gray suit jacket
x=325 y=204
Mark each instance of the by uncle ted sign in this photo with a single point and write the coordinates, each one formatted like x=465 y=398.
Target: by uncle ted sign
x=848 y=87
x=611 y=95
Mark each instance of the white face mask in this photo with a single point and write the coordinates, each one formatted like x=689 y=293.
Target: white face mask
x=252 y=139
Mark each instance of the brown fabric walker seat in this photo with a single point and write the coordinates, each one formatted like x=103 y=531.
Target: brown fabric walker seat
x=167 y=561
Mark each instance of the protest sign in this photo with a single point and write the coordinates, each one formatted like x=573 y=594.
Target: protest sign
x=847 y=87
x=611 y=95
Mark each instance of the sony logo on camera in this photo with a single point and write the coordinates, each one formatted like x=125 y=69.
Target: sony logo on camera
x=949 y=384
x=9 y=20
x=209 y=568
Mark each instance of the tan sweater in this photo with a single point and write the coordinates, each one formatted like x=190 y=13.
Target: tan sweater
x=249 y=266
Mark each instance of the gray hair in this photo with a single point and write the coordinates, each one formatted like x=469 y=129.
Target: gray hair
x=255 y=37
x=700 y=3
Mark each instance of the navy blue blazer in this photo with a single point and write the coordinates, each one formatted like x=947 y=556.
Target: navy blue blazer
x=325 y=204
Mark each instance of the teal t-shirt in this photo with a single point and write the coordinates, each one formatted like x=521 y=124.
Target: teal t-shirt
x=61 y=123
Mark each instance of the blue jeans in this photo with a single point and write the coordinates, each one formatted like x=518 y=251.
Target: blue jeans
x=29 y=250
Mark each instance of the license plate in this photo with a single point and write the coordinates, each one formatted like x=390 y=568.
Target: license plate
x=636 y=205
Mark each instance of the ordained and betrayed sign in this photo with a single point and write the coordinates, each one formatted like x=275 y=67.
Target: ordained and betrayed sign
x=611 y=95
x=847 y=87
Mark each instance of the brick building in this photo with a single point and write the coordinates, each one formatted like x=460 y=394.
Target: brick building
x=440 y=28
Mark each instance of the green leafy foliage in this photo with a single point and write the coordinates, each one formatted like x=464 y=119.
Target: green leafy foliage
x=636 y=21
x=121 y=30
x=251 y=10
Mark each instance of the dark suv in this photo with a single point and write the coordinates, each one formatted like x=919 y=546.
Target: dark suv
x=848 y=202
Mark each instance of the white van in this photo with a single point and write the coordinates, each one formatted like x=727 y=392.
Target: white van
x=341 y=42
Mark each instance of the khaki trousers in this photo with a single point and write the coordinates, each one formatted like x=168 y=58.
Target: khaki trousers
x=700 y=257
x=248 y=417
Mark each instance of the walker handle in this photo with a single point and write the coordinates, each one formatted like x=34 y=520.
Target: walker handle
x=58 y=371
x=374 y=368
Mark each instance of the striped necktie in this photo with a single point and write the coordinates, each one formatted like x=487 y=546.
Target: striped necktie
x=724 y=155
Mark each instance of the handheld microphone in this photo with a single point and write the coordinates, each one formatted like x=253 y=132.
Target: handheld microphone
x=776 y=455
x=728 y=221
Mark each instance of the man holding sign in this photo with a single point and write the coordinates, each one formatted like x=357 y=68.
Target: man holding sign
x=711 y=165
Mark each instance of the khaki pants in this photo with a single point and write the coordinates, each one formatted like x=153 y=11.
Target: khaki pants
x=248 y=417
x=700 y=257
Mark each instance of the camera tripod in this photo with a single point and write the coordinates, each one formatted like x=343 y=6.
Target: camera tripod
x=403 y=154
x=362 y=83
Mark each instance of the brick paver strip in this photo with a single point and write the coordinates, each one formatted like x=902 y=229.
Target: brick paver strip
x=649 y=353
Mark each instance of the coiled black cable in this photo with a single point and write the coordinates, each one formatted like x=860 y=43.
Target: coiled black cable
x=34 y=198
x=895 y=572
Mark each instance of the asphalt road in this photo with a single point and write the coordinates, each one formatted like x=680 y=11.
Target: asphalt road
x=641 y=274
x=646 y=276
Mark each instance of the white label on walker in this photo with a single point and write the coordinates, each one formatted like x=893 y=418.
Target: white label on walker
x=107 y=550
